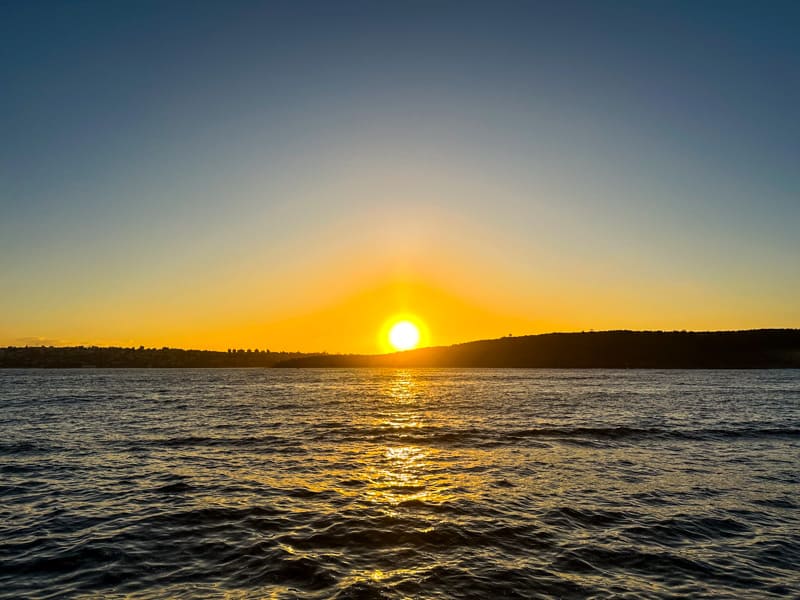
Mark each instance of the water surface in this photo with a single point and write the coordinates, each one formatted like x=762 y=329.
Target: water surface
x=399 y=483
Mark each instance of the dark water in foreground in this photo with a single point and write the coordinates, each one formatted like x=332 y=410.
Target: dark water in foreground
x=399 y=484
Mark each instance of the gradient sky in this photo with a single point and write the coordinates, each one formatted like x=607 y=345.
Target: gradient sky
x=290 y=175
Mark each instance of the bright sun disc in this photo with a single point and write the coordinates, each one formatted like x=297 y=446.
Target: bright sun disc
x=404 y=335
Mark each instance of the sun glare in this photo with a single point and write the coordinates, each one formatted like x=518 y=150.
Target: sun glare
x=404 y=335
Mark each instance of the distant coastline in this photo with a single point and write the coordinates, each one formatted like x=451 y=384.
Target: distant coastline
x=761 y=348
x=74 y=357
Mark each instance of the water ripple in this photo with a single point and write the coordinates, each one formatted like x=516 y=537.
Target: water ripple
x=397 y=484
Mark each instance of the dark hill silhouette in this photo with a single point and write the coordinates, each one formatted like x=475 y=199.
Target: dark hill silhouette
x=762 y=348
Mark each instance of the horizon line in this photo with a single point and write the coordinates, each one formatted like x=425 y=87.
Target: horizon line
x=142 y=347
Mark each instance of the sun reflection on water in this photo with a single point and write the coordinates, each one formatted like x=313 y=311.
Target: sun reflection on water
x=401 y=476
x=400 y=470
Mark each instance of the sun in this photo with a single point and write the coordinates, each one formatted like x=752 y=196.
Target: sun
x=403 y=331
x=404 y=335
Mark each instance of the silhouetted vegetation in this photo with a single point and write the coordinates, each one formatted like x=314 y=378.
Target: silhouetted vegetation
x=94 y=356
x=763 y=348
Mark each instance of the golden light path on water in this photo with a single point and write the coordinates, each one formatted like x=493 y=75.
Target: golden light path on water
x=402 y=474
x=395 y=474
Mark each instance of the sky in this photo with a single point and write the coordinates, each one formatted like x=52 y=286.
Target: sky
x=292 y=175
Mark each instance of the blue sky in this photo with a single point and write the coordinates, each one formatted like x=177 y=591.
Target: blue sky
x=154 y=153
